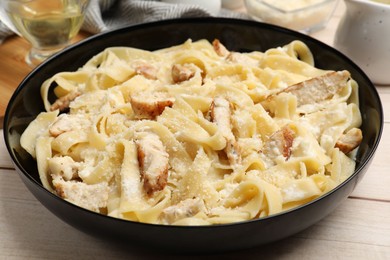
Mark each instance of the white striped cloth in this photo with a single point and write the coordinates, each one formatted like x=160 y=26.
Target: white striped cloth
x=103 y=15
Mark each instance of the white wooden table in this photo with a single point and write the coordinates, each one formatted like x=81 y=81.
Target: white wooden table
x=358 y=229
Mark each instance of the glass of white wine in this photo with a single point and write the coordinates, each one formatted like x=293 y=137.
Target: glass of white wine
x=49 y=25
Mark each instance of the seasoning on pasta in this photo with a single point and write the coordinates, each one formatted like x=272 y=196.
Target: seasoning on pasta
x=196 y=134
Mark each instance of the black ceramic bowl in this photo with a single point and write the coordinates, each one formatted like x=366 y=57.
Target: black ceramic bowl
x=237 y=35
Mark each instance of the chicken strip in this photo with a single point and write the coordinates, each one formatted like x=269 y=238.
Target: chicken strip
x=150 y=105
x=220 y=49
x=182 y=73
x=64 y=167
x=66 y=123
x=93 y=197
x=146 y=70
x=350 y=140
x=154 y=162
x=184 y=209
x=63 y=102
x=319 y=88
x=221 y=115
x=279 y=143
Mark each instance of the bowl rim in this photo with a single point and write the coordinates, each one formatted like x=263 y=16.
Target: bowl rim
x=202 y=20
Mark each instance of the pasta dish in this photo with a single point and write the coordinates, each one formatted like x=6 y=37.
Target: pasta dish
x=196 y=134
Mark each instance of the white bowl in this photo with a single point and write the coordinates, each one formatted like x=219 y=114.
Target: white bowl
x=306 y=16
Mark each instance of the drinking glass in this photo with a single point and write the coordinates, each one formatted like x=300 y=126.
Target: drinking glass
x=48 y=25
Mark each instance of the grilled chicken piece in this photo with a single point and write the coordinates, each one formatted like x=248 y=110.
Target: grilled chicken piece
x=93 y=197
x=280 y=143
x=350 y=140
x=319 y=88
x=150 y=105
x=182 y=73
x=221 y=115
x=220 y=49
x=153 y=160
x=63 y=166
x=184 y=209
x=146 y=70
x=233 y=152
x=65 y=123
x=63 y=102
